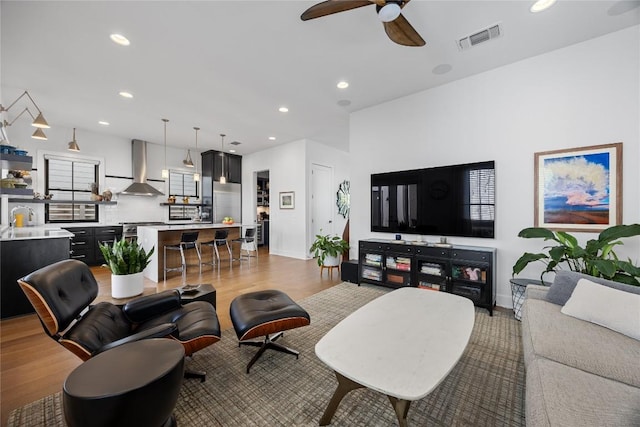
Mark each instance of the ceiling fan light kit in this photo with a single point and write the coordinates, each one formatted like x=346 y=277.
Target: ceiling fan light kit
x=398 y=29
x=389 y=12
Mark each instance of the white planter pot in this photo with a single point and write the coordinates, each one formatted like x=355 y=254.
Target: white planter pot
x=331 y=261
x=127 y=285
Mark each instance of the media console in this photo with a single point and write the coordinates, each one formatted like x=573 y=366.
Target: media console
x=463 y=270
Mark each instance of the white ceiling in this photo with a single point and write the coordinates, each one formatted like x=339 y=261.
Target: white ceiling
x=226 y=66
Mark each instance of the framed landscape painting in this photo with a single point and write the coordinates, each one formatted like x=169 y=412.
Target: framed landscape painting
x=579 y=189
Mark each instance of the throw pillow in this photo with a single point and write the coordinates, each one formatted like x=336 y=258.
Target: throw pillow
x=566 y=281
x=605 y=306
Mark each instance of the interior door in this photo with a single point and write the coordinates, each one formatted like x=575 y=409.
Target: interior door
x=322 y=200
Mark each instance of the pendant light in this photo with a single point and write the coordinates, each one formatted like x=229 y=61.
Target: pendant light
x=73 y=145
x=223 y=178
x=165 y=171
x=188 y=162
x=196 y=176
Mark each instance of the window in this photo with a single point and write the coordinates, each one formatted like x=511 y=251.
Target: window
x=69 y=182
x=481 y=194
x=182 y=186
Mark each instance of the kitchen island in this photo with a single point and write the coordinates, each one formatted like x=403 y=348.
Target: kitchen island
x=22 y=251
x=157 y=236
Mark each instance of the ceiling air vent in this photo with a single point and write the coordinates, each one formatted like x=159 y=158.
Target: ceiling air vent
x=480 y=37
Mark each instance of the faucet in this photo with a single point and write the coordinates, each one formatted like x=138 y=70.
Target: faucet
x=13 y=213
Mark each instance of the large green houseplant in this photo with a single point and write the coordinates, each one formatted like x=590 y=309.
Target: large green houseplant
x=597 y=258
x=125 y=256
x=126 y=260
x=327 y=246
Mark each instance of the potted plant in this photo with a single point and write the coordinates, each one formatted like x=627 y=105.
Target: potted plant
x=327 y=249
x=126 y=260
x=597 y=258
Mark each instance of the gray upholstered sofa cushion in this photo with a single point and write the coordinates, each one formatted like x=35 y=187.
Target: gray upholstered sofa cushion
x=548 y=333
x=566 y=281
x=559 y=395
x=578 y=373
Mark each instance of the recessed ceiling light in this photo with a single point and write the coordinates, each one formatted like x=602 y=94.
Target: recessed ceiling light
x=442 y=69
x=342 y=85
x=103 y=123
x=344 y=103
x=283 y=109
x=541 y=5
x=232 y=151
x=125 y=94
x=120 y=39
x=272 y=138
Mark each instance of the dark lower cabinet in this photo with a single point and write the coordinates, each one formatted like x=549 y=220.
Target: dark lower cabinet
x=104 y=235
x=19 y=258
x=468 y=271
x=85 y=243
x=82 y=244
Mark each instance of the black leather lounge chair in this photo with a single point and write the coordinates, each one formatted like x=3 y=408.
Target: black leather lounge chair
x=62 y=294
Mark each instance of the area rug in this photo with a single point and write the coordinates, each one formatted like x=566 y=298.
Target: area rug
x=486 y=388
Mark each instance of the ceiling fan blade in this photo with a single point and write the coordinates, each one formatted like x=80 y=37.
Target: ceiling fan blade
x=330 y=7
x=401 y=32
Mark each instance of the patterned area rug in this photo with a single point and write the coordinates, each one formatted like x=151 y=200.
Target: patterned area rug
x=486 y=388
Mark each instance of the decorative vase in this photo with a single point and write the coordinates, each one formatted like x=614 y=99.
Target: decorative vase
x=331 y=261
x=126 y=285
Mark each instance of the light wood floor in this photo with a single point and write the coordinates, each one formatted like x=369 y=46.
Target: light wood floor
x=34 y=366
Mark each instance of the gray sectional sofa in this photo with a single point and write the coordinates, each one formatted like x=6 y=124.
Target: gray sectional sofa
x=577 y=373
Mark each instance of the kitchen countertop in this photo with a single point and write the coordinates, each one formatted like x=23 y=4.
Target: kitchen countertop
x=31 y=233
x=190 y=226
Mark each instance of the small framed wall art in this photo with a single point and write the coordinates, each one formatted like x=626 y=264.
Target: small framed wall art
x=579 y=189
x=287 y=200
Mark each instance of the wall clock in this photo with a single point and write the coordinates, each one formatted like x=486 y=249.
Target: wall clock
x=343 y=198
x=439 y=190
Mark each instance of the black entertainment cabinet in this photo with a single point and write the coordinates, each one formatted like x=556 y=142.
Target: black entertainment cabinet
x=468 y=271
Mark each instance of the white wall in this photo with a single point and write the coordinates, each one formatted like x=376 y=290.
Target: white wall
x=289 y=167
x=586 y=94
x=286 y=167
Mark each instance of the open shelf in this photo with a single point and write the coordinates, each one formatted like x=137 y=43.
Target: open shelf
x=51 y=201
x=181 y=204
x=17 y=192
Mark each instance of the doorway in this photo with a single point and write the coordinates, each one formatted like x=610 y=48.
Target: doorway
x=262 y=207
x=322 y=201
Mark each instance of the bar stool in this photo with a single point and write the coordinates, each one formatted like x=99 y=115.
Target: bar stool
x=219 y=239
x=248 y=242
x=188 y=240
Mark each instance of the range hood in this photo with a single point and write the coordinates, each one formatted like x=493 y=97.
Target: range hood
x=139 y=169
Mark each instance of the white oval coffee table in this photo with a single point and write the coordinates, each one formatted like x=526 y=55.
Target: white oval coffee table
x=402 y=344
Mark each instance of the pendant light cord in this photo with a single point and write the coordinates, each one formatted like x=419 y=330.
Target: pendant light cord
x=165 y=143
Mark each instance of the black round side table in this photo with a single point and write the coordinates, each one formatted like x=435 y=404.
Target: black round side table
x=136 y=384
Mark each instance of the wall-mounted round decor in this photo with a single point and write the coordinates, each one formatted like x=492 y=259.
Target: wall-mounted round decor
x=343 y=198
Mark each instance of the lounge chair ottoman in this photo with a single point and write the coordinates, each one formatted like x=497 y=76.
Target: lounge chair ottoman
x=266 y=314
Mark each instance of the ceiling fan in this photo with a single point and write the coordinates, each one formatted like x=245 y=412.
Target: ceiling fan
x=396 y=26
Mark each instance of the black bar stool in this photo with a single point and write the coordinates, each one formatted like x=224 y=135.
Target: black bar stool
x=188 y=240
x=219 y=239
x=248 y=243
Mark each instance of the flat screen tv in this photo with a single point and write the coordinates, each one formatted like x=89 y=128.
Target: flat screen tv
x=456 y=200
